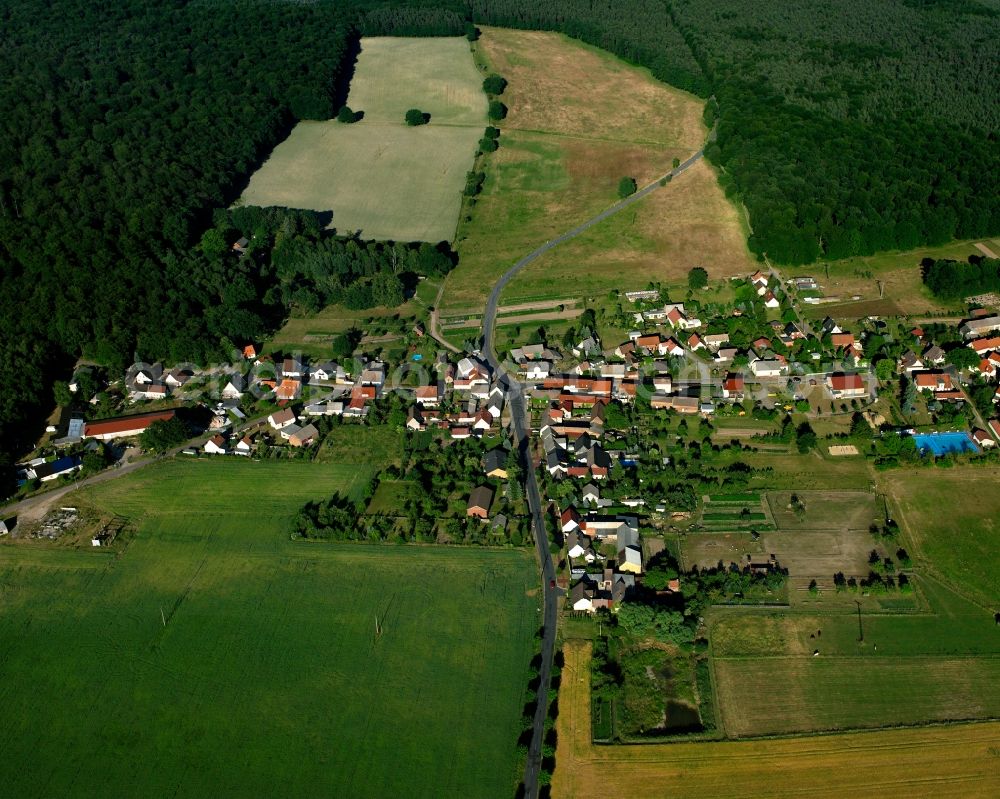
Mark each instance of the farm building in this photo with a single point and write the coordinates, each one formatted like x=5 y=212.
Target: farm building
x=124 y=426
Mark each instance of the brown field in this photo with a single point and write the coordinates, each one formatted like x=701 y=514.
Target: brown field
x=899 y=273
x=952 y=761
x=831 y=536
x=580 y=120
x=690 y=223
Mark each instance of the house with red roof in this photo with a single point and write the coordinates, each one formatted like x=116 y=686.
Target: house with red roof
x=846 y=386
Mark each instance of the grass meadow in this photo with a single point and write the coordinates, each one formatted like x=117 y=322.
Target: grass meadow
x=898 y=273
x=945 y=761
x=939 y=664
x=952 y=517
x=381 y=178
x=580 y=120
x=266 y=677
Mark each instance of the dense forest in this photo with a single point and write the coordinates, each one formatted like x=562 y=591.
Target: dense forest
x=952 y=280
x=844 y=127
x=125 y=127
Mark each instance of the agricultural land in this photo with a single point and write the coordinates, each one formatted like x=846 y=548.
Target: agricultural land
x=210 y=654
x=580 y=119
x=956 y=761
x=381 y=178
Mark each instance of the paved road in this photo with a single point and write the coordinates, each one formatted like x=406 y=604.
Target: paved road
x=522 y=436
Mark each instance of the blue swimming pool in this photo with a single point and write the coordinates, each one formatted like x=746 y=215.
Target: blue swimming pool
x=943 y=443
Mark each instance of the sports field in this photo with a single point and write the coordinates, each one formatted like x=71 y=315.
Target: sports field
x=580 y=120
x=953 y=761
x=381 y=178
x=214 y=656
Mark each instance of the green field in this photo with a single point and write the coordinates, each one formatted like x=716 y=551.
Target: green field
x=942 y=664
x=951 y=515
x=267 y=677
x=381 y=178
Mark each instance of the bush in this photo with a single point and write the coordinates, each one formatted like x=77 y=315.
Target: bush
x=626 y=187
x=416 y=117
x=347 y=116
x=494 y=84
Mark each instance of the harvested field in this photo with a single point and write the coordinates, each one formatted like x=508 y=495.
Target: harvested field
x=381 y=178
x=690 y=223
x=956 y=761
x=579 y=121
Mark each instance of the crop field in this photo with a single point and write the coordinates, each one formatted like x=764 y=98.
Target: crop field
x=951 y=761
x=952 y=516
x=381 y=178
x=215 y=656
x=787 y=672
x=580 y=120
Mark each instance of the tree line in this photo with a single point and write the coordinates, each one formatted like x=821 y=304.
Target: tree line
x=840 y=139
x=952 y=280
x=125 y=129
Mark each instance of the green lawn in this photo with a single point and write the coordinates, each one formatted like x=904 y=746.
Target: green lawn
x=267 y=677
x=380 y=177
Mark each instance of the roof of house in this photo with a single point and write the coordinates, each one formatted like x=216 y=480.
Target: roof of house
x=58 y=466
x=306 y=433
x=495 y=460
x=122 y=423
x=481 y=497
x=568 y=515
x=283 y=416
x=846 y=382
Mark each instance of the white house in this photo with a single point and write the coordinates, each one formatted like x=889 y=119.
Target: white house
x=762 y=368
x=234 y=388
x=537 y=370
x=280 y=420
x=216 y=445
x=244 y=446
x=495 y=402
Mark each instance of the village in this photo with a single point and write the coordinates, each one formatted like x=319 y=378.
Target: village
x=594 y=408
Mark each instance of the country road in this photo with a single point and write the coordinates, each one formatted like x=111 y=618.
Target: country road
x=521 y=424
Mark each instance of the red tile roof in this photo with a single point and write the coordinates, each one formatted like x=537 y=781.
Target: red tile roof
x=139 y=421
